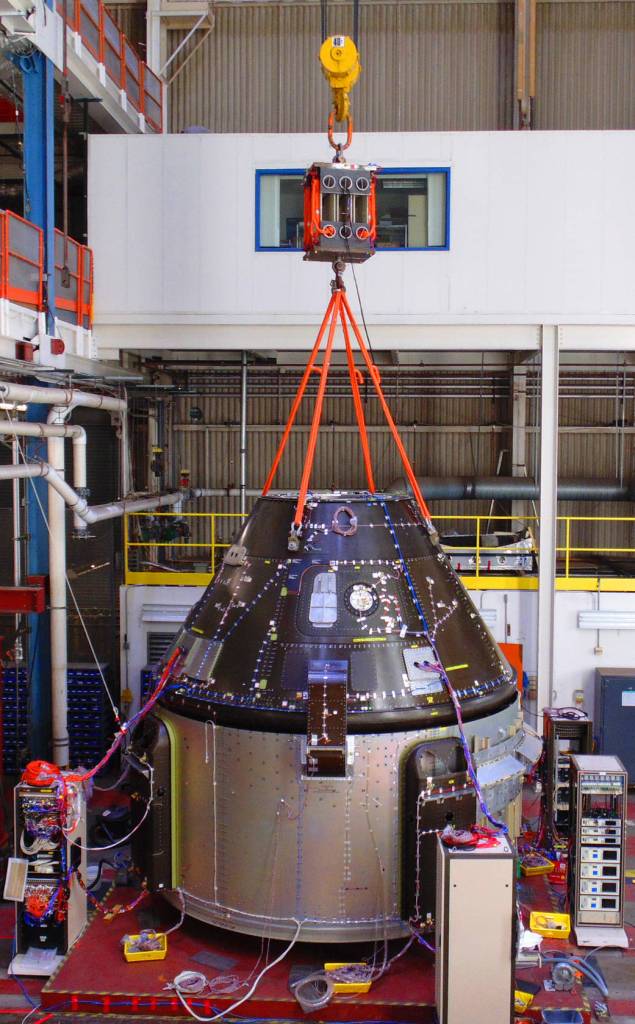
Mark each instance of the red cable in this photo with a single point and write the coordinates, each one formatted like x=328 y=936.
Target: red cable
x=298 y=398
x=335 y=305
x=359 y=409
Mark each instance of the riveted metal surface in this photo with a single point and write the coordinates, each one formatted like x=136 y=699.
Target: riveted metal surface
x=263 y=847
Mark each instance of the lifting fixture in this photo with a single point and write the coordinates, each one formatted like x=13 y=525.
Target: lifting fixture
x=340 y=228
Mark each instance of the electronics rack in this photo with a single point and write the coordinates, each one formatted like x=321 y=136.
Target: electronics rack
x=564 y=735
x=53 y=911
x=596 y=881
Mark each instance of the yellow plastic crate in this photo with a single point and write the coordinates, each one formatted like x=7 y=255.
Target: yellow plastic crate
x=349 y=987
x=135 y=957
x=550 y=924
x=537 y=869
x=522 y=1000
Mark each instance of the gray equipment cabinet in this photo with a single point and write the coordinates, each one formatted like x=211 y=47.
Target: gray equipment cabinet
x=614 y=718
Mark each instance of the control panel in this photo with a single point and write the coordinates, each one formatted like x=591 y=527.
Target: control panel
x=598 y=802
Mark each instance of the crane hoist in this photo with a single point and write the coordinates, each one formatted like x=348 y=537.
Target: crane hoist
x=339 y=197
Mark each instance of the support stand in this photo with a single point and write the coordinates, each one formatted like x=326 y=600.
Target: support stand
x=338 y=309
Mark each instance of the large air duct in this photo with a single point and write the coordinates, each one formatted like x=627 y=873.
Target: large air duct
x=513 y=488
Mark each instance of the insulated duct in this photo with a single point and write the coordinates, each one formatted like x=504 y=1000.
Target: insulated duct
x=512 y=488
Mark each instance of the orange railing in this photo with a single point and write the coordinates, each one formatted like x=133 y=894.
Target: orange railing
x=22 y=261
x=73 y=281
x=103 y=38
x=22 y=270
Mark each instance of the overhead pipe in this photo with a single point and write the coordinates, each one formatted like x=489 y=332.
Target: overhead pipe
x=513 y=488
x=111 y=510
x=57 y=526
x=25 y=394
x=77 y=435
x=63 y=401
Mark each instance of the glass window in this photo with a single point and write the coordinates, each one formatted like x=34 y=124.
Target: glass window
x=281 y=207
x=323 y=606
x=412 y=209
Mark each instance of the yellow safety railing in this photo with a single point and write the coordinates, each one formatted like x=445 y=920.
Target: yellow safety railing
x=157 y=571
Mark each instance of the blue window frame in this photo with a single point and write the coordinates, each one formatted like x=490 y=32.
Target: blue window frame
x=413 y=209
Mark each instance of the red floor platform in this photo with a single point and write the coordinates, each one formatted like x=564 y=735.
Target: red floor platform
x=94 y=977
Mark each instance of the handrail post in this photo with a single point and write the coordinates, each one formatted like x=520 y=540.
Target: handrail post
x=213 y=538
x=478 y=546
x=567 y=544
x=125 y=545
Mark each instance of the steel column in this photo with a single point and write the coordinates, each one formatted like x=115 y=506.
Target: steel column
x=524 y=62
x=39 y=207
x=39 y=161
x=548 y=514
x=243 y=433
x=519 y=429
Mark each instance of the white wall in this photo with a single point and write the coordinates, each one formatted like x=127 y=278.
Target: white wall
x=144 y=610
x=578 y=652
x=541 y=232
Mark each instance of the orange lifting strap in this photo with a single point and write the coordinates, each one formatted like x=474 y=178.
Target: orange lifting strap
x=339 y=309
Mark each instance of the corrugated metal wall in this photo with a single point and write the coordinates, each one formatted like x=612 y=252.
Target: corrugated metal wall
x=427 y=66
x=585 y=65
x=459 y=433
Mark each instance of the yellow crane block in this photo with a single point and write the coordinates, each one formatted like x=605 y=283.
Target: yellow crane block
x=341 y=67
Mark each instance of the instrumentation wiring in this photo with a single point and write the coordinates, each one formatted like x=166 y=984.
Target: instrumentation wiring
x=223 y=1013
x=438 y=667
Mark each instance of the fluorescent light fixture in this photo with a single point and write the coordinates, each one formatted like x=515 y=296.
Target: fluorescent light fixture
x=12 y=407
x=489 y=616
x=606 y=619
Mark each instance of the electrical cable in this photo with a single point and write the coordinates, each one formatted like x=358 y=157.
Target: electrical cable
x=118 y=842
x=315 y=991
x=115 y=785
x=444 y=676
x=15 y=977
x=239 y=1002
x=97 y=879
x=175 y=927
